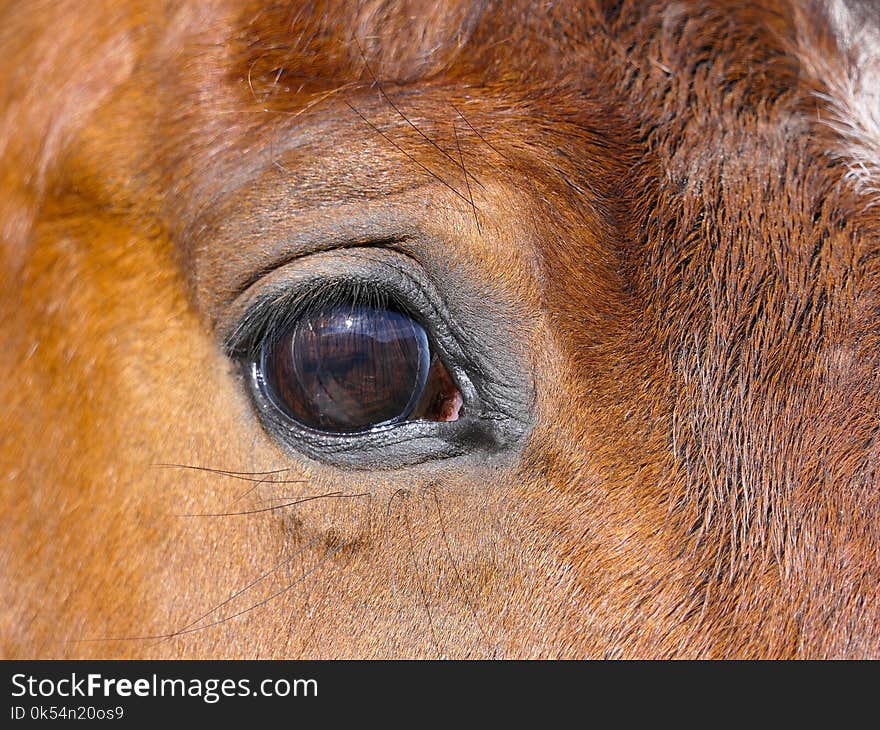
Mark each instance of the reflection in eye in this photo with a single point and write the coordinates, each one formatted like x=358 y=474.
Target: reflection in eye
x=350 y=368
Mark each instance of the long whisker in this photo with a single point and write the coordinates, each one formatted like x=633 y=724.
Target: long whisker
x=251 y=489
x=403 y=116
x=452 y=562
x=407 y=154
x=290 y=586
x=398 y=493
x=466 y=181
x=192 y=630
x=418 y=572
x=245 y=475
x=480 y=136
x=338 y=495
x=239 y=592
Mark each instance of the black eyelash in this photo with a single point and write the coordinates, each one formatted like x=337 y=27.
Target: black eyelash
x=270 y=316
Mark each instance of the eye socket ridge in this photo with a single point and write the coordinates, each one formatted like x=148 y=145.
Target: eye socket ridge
x=377 y=278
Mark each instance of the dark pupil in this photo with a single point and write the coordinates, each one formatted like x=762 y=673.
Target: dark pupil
x=348 y=368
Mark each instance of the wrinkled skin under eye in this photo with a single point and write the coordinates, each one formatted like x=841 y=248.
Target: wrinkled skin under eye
x=352 y=368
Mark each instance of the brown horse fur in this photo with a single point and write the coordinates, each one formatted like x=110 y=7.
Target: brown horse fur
x=669 y=211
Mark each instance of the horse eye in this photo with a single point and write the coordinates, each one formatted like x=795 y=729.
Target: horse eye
x=351 y=368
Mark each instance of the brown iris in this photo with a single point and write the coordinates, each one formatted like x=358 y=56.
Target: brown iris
x=350 y=368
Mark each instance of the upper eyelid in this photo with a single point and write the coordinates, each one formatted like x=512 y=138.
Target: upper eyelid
x=315 y=248
x=271 y=314
x=288 y=299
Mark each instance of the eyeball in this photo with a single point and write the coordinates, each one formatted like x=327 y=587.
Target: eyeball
x=349 y=368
